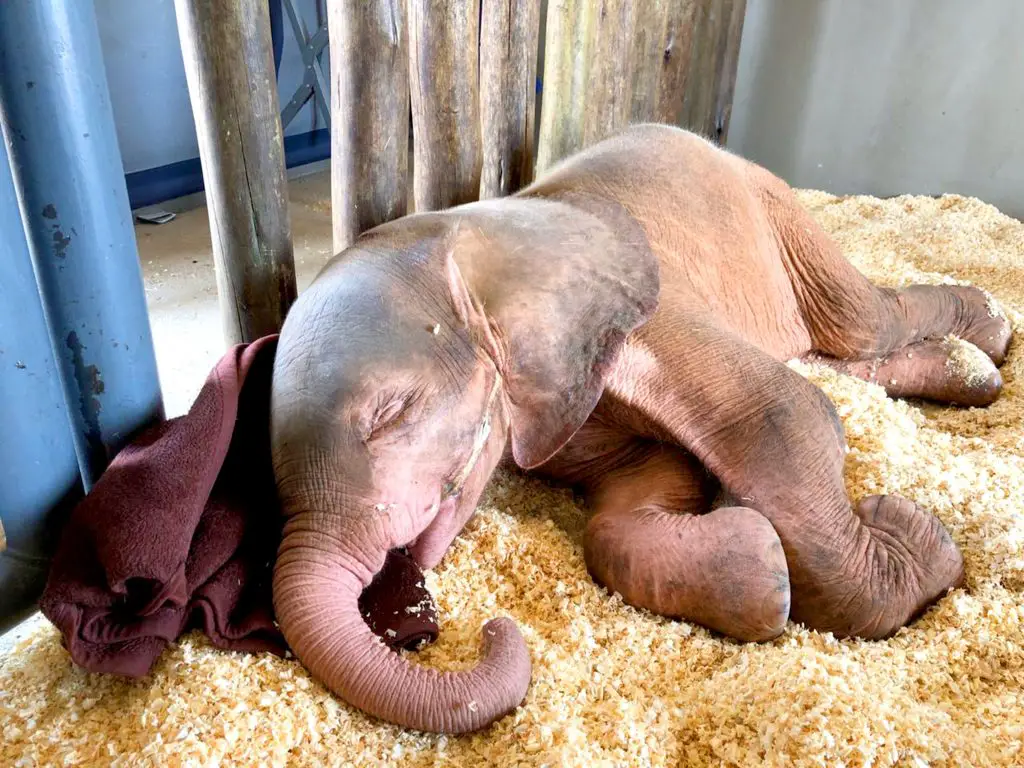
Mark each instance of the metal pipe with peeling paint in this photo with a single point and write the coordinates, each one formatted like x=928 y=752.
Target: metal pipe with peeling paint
x=58 y=126
x=39 y=475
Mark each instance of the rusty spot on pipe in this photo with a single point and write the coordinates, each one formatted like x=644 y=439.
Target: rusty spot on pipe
x=60 y=244
x=90 y=384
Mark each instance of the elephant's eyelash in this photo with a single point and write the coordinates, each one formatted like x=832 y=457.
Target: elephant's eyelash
x=390 y=415
x=386 y=417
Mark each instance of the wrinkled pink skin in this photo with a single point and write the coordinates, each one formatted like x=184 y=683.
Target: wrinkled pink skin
x=619 y=326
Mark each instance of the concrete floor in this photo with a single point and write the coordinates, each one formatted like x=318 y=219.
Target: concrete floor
x=181 y=291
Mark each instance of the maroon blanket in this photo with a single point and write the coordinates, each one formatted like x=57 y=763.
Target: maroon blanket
x=181 y=532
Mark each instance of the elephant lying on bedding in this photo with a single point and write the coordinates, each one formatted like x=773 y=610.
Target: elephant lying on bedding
x=621 y=325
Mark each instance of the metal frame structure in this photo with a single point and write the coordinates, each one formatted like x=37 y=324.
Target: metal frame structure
x=315 y=85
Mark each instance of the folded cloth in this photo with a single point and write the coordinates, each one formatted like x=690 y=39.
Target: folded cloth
x=181 y=532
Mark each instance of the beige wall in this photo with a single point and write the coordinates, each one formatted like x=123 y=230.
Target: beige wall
x=885 y=97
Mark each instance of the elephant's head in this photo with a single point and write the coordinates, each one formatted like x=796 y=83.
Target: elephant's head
x=401 y=375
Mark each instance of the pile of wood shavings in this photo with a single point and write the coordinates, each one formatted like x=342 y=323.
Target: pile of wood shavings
x=617 y=686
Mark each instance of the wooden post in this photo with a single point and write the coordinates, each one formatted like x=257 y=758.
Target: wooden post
x=229 y=68
x=567 y=55
x=647 y=56
x=609 y=98
x=707 y=105
x=370 y=108
x=508 y=93
x=612 y=62
x=725 y=72
x=677 y=50
x=588 y=73
x=444 y=39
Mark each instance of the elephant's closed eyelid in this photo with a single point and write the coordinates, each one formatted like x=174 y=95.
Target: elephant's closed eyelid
x=391 y=414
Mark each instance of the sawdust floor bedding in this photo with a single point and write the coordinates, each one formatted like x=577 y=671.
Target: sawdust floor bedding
x=616 y=686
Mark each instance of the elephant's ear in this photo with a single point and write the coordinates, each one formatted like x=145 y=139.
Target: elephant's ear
x=550 y=292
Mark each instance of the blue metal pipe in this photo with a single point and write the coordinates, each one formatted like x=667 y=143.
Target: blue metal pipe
x=59 y=128
x=39 y=476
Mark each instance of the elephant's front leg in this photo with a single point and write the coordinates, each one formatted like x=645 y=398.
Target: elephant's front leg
x=776 y=443
x=650 y=542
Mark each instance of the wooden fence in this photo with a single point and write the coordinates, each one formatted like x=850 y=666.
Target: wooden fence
x=466 y=72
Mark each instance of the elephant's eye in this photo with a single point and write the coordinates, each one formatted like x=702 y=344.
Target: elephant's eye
x=390 y=414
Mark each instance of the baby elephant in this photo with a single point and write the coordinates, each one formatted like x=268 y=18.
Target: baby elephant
x=620 y=325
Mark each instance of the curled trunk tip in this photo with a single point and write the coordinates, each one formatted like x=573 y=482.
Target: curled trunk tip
x=317 y=608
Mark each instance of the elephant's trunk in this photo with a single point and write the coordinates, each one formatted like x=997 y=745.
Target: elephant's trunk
x=316 y=600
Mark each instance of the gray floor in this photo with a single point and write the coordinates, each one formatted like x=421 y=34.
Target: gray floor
x=177 y=263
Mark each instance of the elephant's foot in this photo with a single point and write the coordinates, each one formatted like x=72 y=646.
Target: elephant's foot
x=982 y=322
x=950 y=371
x=725 y=570
x=904 y=560
x=775 y=442
x=933 y=312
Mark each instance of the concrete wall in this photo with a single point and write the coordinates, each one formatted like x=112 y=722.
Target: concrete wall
x=144 y=68
x=885 y=97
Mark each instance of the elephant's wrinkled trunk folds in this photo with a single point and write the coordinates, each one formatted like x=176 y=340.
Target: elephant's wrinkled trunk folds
x=316 y=601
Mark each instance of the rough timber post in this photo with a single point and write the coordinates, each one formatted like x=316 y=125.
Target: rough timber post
x=707 y=106
x=568 y=49
x=370 y=108
x=229 y=66
x=508 y=93
x=609 y=101
x=609 y=63
x=674 y=69
x=444 y=40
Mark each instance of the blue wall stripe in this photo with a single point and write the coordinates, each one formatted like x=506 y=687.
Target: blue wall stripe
x=166 y=182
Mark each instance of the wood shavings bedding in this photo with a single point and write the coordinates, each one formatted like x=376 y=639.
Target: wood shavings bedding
x=617 y=686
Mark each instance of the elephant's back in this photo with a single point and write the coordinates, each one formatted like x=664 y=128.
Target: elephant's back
x=704 y=220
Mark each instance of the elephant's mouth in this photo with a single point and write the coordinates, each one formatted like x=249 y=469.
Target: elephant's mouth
x=454 y=486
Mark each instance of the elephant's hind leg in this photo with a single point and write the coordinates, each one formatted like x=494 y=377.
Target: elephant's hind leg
x=947 y=371
x=848 y=317
x=890 y=320
x=725 y=570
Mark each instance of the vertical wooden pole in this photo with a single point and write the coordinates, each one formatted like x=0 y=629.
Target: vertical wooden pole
x=725 y=72
x=509 y=33
x=677 y=50
x=609 y=101
x=229 y=67
x=612 y=62
x=567 y=56
x=370 y=115
x=444 y=46
x=700 y=80
x=647 y=55
x=707 y=105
